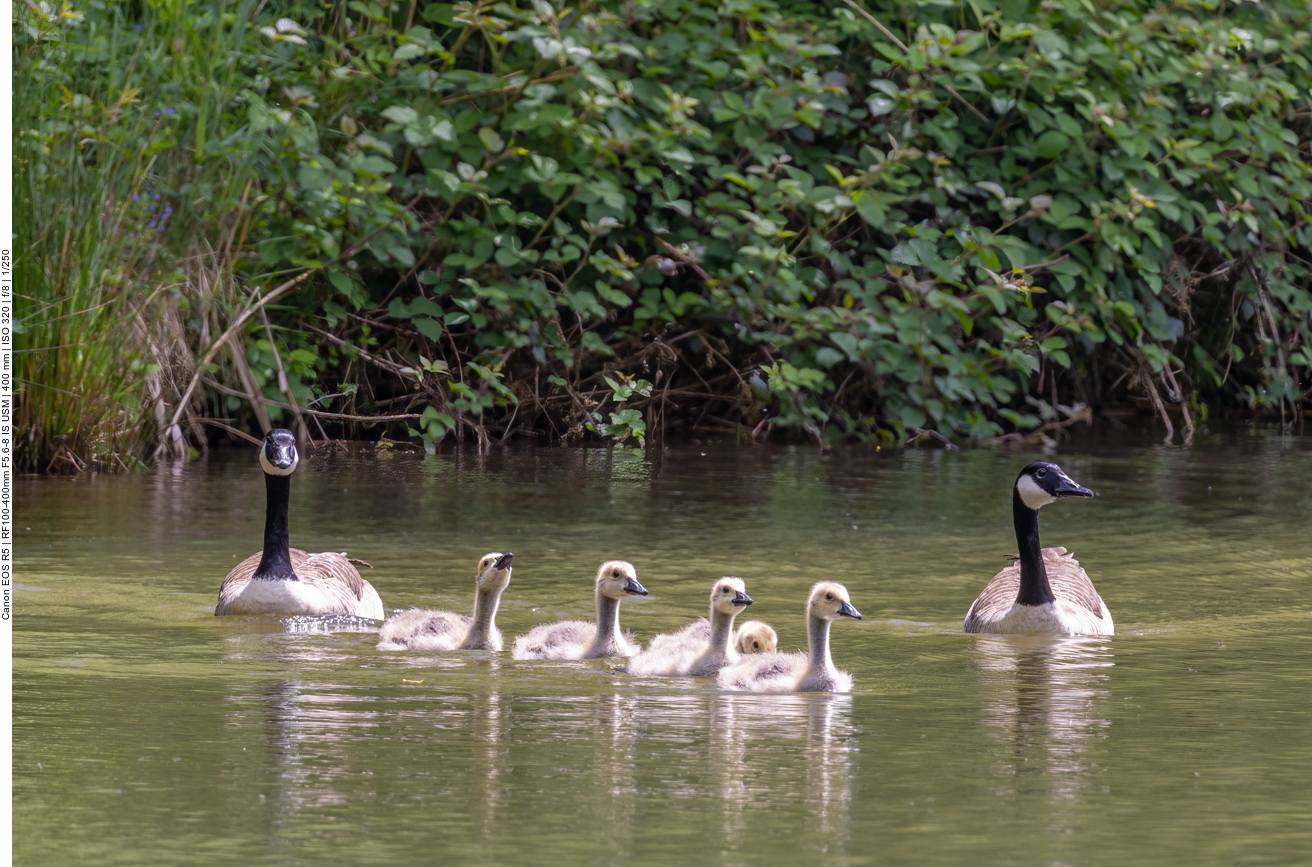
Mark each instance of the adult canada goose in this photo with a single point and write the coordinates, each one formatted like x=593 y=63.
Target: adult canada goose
x=426 y=629
x=283 y=580
x=799 y=672
x=1046 y=590
x=702 y=647
x=754 y=636
x=578 y=639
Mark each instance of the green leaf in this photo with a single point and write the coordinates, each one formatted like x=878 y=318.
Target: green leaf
x=1052 y=143
x=491 y=140
x=430 y=328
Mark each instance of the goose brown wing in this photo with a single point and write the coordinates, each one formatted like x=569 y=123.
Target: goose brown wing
x=241 y=574
x=1070 y=582
x=331 y=572
x=996 y=598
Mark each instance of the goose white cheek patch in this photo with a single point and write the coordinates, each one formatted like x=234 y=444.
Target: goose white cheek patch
x=279 y=471
x=1031 y=494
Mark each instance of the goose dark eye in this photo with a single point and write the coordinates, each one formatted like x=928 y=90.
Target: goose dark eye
x=829 y=596
x=1041 y=472
x=614 y=573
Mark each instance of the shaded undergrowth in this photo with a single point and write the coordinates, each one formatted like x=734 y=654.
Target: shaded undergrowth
x=841 y=221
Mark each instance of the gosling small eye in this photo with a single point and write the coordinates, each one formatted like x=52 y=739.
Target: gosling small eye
x=756 y=645
x=829 y=596
x=614 y=573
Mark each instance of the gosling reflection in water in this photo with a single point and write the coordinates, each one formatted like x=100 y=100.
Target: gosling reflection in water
x=1045 y=697
x=744 y=757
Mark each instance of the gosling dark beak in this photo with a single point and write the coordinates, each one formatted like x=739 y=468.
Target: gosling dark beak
x=633 y=587
x=741 y=598
x=846 y=610
x=503 y=562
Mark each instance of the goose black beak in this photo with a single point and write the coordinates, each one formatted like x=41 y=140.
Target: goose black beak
x=845 y=609
x=634 y=588
x=503 y=562
x=282 y=457
x=741 y=598
x=1068 y=488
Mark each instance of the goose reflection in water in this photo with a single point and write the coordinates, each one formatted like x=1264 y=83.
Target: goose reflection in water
x=316 y=731
x=310 y=756
x=1045 y=698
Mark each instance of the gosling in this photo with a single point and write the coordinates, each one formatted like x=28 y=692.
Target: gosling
x=799 y=672
x=755 y=636
x=578 y=639
x=700 y=648
x=429 y=630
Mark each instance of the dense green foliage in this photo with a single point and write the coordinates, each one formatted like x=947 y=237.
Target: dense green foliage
x=840 y=220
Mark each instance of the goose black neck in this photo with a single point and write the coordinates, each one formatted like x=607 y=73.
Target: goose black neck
x=276 y=561
x=1034 y=586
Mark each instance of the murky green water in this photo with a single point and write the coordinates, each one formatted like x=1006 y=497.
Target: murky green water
x=147 y=731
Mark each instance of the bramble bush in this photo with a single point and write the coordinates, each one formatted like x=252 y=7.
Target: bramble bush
x=835 y=220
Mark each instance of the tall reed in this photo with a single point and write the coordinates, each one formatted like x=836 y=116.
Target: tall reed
x=123 y=236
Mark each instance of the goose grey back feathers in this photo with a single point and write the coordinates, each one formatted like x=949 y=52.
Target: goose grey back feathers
x=329 y=583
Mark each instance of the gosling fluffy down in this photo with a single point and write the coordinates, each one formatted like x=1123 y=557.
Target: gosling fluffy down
x=578 y=639
x=430 y=630
x=799 y=672
x=703 y=647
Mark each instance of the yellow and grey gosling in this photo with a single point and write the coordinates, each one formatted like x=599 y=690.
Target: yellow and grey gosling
x=1046 y=590
x=430 y=630
x=799 y=672
x=702 y=647
x=578 y=639
x=283 y=580
x=755 y=636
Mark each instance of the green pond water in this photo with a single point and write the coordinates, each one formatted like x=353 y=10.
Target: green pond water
x=148 y=731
